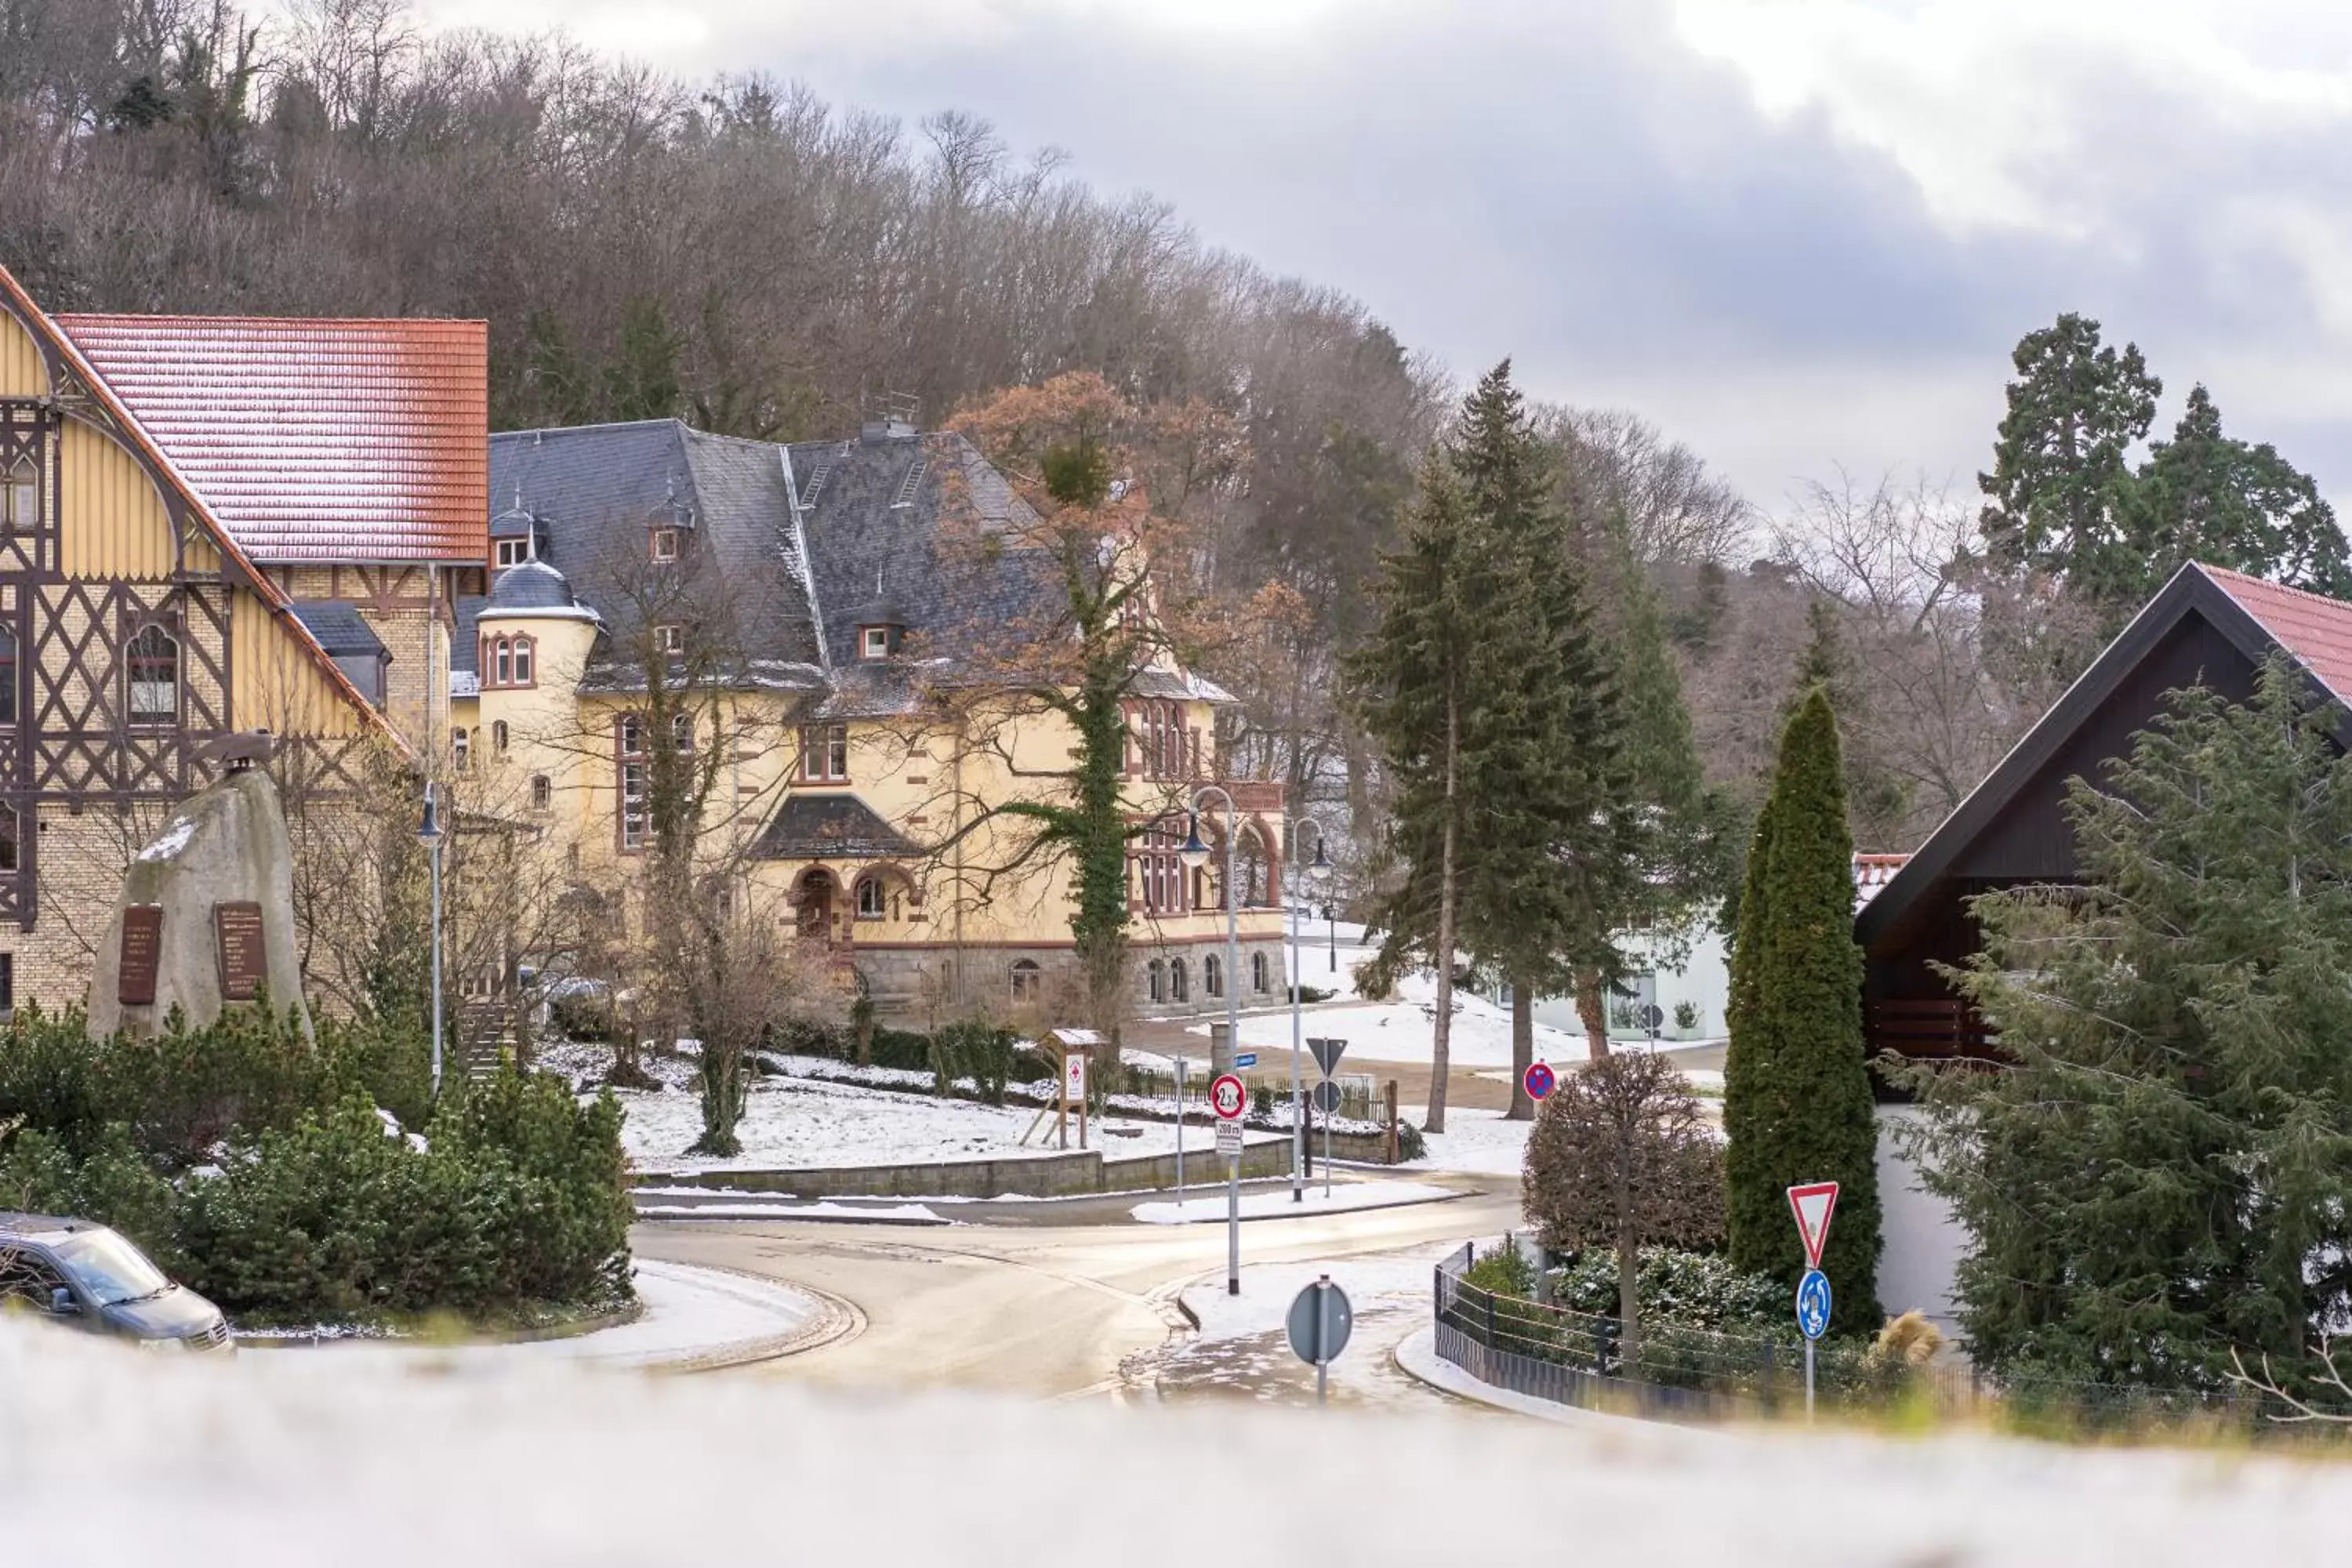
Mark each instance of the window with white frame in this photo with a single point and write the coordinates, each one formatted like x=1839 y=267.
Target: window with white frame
x=871 y=900
x=632 y=748
x=460 y=748
x=669 y=639
x=874 y=642
x=151 y=677
x=513 y=551
x=662 y=543
x=20 y=497
x=825 y=754
x=1257 y=973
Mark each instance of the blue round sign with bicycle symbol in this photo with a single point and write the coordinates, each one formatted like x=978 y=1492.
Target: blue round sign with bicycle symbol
x=1814 y=1304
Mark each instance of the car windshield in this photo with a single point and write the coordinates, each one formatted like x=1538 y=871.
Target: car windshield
x=108 y=1267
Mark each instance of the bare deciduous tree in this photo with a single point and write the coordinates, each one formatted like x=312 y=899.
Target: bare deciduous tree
x=1622 y=1157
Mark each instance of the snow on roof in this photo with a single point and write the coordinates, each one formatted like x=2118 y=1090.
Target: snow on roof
x=314 y=441
x=1872 y=872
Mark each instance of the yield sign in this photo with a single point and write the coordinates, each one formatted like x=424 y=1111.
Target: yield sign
x=1813 y=1204
x=1326 y=1053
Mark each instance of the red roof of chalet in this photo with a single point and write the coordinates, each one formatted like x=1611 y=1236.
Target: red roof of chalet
x=350 y=441
x=2316 y=630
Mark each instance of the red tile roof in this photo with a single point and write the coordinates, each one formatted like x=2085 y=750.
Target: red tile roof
x=2317 y=631
x=314 y=441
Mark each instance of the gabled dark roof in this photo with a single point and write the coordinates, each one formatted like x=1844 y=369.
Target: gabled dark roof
x=829 y=827
x=337 y=627
x=2252 y=615
x=597 y=491
x=872 y=515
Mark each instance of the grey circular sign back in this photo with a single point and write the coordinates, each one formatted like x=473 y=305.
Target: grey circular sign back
x=1320 y=1321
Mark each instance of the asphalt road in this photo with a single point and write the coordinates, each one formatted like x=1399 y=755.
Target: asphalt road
x=1042 y=1310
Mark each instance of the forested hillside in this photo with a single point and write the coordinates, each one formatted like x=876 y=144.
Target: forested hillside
x=748 y=257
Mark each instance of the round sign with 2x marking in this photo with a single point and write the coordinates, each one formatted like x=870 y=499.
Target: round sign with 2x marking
x=1540 y=1081
x=1814 y=1304
x=1228 y=1097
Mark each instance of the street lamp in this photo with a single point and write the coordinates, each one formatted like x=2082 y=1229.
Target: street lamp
x=1318 y=870
x=428 y=833
x=1195 y=855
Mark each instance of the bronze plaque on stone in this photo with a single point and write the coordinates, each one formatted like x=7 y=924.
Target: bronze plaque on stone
x=142 y=949
x=244 y=961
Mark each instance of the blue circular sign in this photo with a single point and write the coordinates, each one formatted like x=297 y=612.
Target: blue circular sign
x=1814 y=1304
x=1540 y=1081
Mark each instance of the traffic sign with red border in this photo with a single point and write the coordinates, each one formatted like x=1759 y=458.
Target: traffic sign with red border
x=1229 y=1097
x=1540 y=1080
x=1813 y=1203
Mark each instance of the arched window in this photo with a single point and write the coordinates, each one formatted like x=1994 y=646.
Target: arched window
x=542 y=791
x=1257 y=972
x=498 y=736
x=1028 y=980
x=681 y=732
x=1179 y=981
x=1251 y=871
x=522 y=656
x=11 y=855
x=460 y=749
x=152 y=676
x=1213 y=975
x=870 y=897
x=7 y=677
x=506 y=661
x=502 y=662
x=20 y=497
x=1158 y=974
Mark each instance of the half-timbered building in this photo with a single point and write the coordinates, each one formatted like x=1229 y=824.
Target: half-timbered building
x=206 y=525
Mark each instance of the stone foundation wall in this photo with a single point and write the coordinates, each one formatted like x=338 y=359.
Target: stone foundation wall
x=906 y=981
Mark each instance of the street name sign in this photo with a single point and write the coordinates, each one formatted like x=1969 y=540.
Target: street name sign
x=1540 y=1080
x=1228 y=1097
x=1813 y=1203
x=1247 y=1060
x=1327 y=1054
x=1814 y=1304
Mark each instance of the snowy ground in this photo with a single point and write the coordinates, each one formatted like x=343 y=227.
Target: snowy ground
x=1479 y=1142
x=200 y=1461
x=1344 y=1196
x=794 y=1123
x=1404 y=1029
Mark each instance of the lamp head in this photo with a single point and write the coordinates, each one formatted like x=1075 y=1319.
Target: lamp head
x=428 y=832
x=1320 y=866
x=1195 y=853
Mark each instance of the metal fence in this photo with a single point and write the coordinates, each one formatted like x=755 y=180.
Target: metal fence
x=1576 y=1358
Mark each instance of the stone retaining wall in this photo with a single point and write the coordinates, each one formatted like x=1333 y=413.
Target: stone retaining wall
x=1034 y=1176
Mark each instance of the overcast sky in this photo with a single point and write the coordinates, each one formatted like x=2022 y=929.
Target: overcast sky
x=1798 y=233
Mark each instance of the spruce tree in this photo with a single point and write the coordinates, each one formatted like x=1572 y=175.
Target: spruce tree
x=2203 y=496
x=1549 y=860
x=1797 y=1096
x=2157 y=1178
x=1413 y=679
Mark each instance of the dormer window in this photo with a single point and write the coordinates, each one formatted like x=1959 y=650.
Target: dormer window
x=664 y=544
x=874 y=642
x=513 y=551
x=669 y=640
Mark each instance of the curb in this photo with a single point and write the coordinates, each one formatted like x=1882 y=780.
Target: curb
x=620 y=1317
x=840 y=1321
x=670 y=1214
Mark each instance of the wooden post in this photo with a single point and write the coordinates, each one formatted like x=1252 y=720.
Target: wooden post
x=1394 y=1152
x=1085 y=1064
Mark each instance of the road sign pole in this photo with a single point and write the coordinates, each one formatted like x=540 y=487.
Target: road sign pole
x=1233 y=1228
x=1326 y=1155
x=1179 y=1135
x=1809 y=1379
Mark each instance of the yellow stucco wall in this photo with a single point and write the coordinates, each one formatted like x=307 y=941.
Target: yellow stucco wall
x=22 y=372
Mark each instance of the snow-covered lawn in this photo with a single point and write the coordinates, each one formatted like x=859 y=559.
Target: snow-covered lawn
x=1475 y=1140
x=1275 y=1204
x=1404 y=1029
x=795 y=1123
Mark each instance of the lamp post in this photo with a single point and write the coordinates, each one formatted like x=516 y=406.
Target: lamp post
x=1319 y=870
x=1195 y=855
x=428 y=833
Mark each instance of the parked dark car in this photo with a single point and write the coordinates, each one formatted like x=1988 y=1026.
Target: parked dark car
x=73 y=1271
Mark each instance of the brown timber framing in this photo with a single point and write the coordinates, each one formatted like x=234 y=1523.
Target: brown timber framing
x=73 y=743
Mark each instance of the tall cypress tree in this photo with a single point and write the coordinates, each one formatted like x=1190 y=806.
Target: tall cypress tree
x=1796 y=1102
